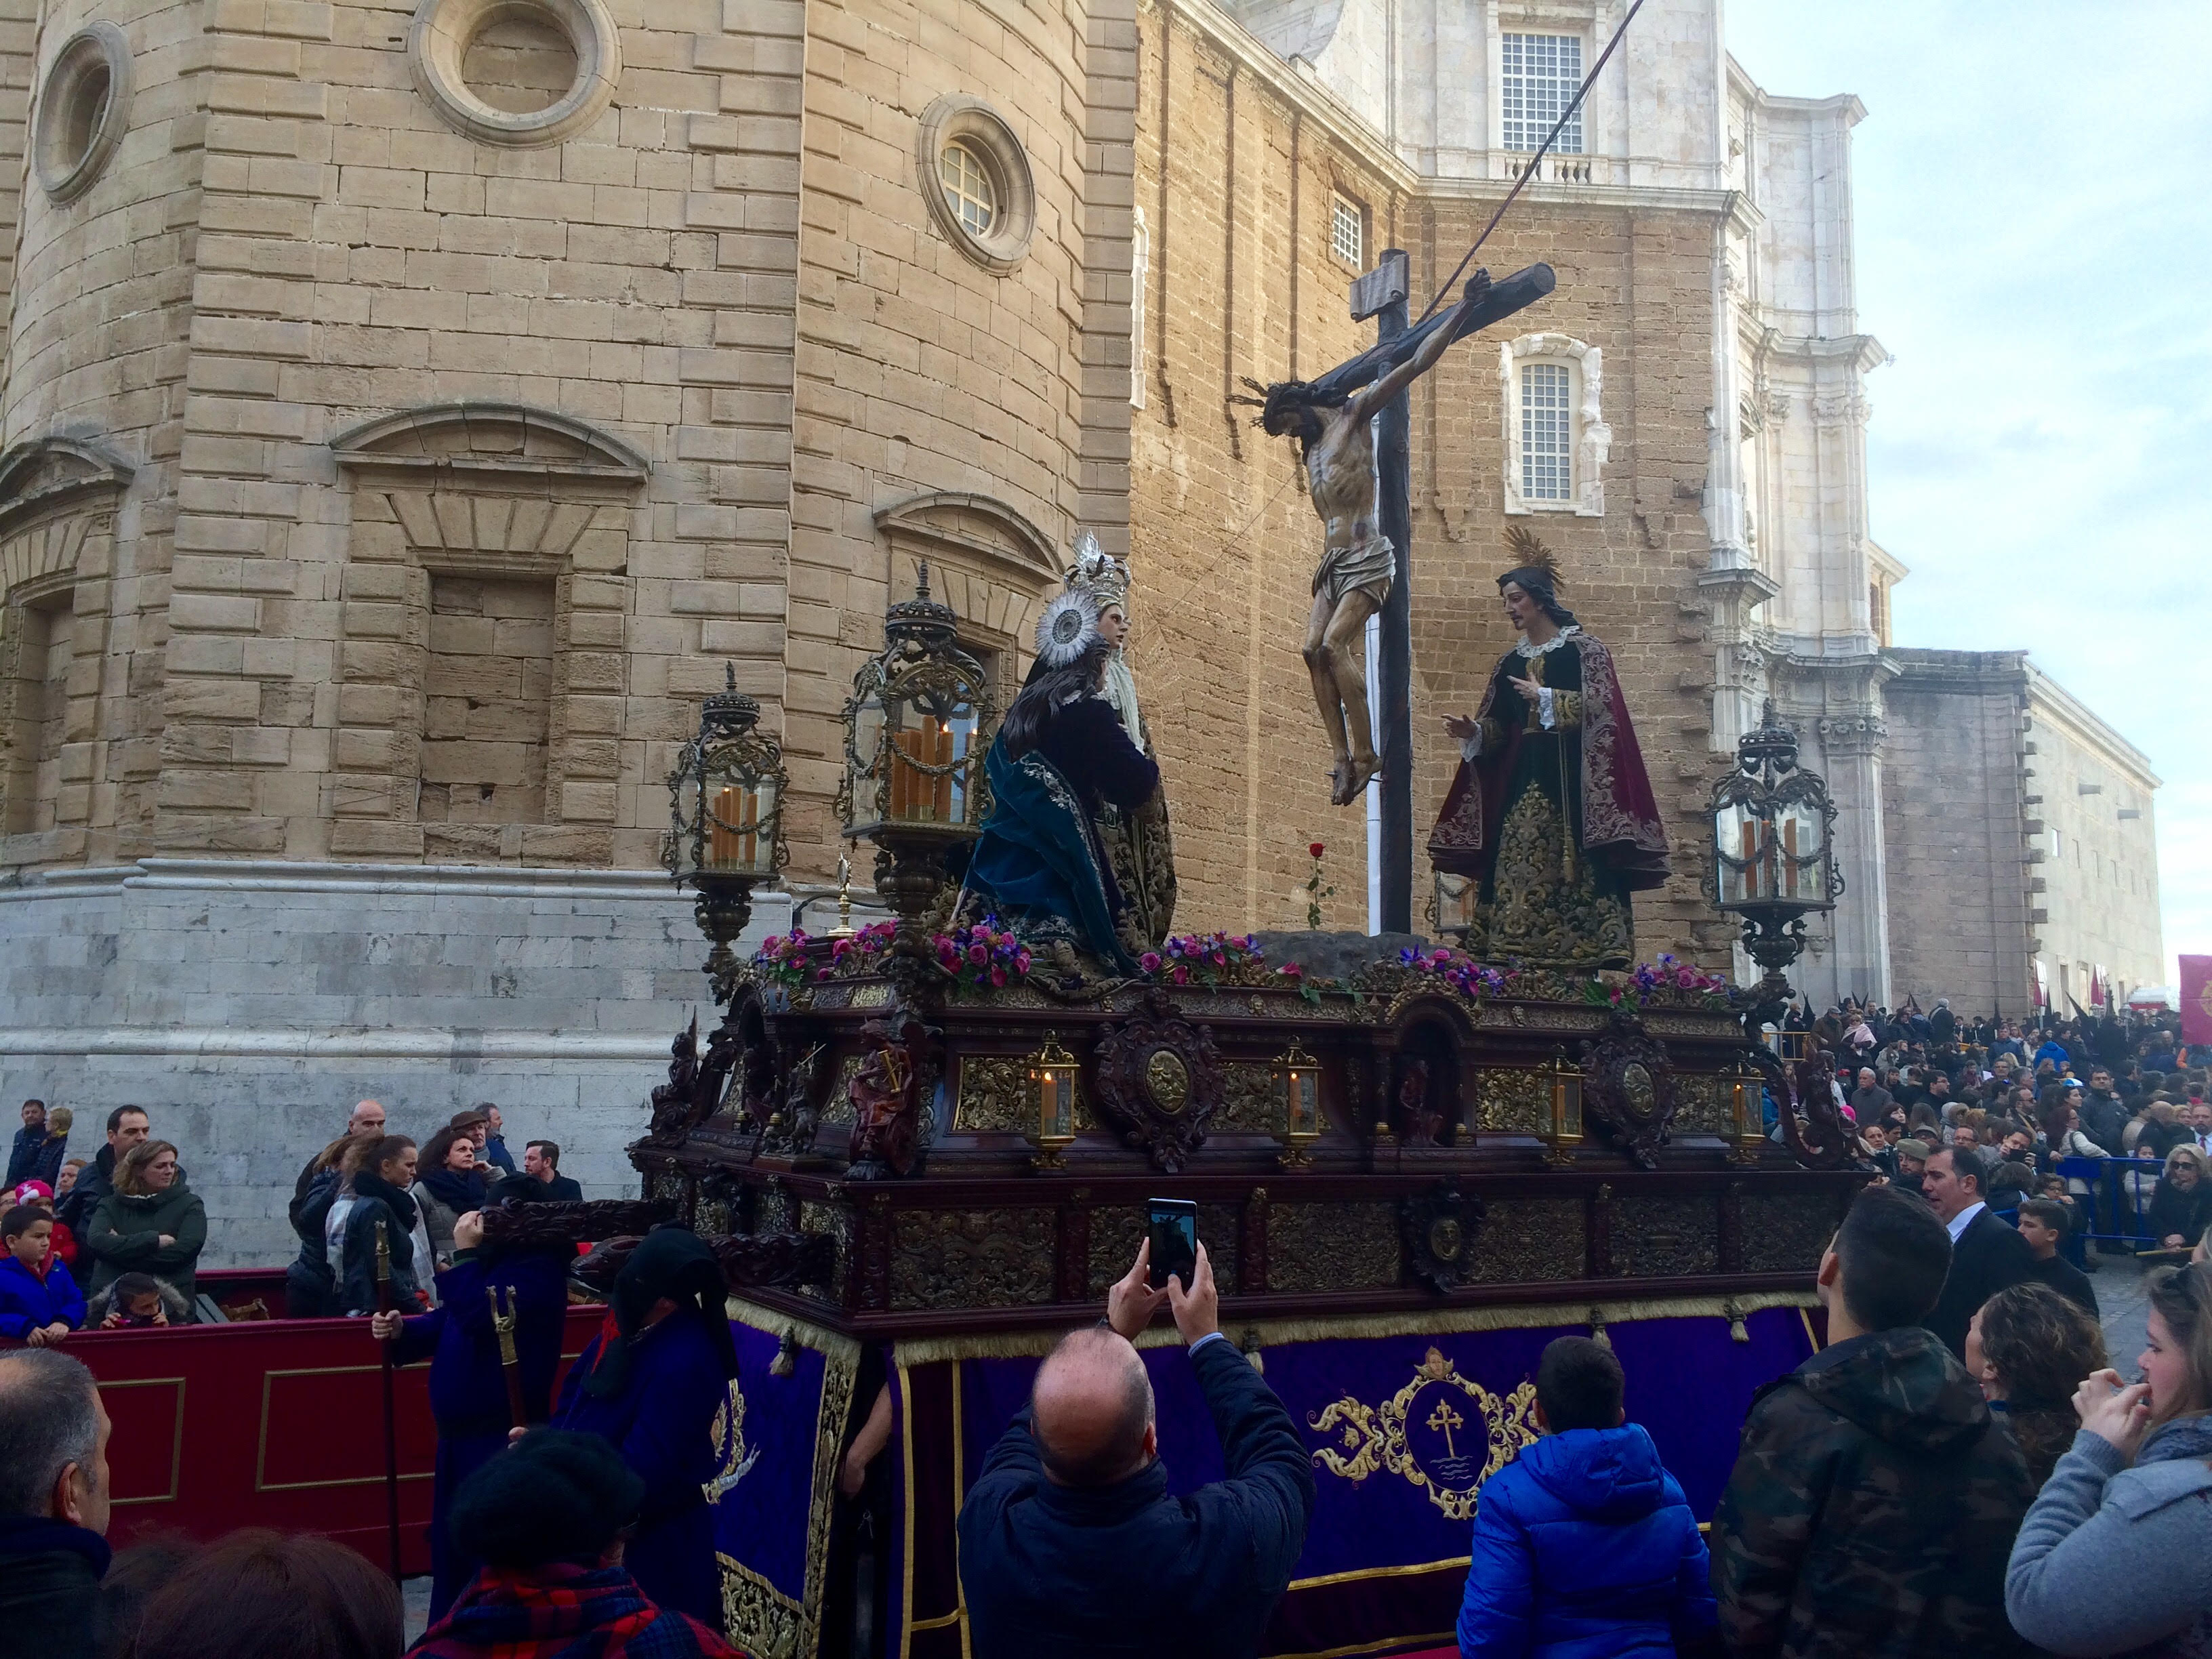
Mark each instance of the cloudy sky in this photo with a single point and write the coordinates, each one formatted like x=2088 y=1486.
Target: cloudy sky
x=2035 y=248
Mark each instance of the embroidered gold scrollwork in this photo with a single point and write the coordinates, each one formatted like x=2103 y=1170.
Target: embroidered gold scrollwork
x=1445 y=1433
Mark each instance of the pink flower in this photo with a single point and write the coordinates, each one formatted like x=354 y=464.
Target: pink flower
x=1291 y=970
x=998 y=976
x=1182 y=975
x=1021 y=962
x=1220 y=960
x=978 y=955
x=1150 y=962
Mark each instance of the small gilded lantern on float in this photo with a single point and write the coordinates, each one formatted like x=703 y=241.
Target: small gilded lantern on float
x=726 y=817
x=1747 y=1113
x=1298 y=1091
x=913 y=727
x=1452 y=909
x=1563 y=1126
x=1051 y=1074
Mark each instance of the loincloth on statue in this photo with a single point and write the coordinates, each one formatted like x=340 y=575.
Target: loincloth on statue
x=1369 y=568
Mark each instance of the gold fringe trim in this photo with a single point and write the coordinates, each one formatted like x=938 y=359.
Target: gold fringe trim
x=832 y=1346
x=1442 y=1321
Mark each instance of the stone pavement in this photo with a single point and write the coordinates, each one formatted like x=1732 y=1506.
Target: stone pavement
x=2123 y=1304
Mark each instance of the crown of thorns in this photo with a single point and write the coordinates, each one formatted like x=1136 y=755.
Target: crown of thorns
x=1280 y=397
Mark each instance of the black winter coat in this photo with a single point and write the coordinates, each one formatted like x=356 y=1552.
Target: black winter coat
x=1988 y=1257
x=374 y=1200
x=1048 y=1569
x=50 y=1595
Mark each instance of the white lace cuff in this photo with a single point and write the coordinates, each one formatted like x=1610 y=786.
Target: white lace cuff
x=1545 y=711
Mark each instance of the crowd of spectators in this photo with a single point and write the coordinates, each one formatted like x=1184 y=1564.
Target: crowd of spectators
x=114 y=1241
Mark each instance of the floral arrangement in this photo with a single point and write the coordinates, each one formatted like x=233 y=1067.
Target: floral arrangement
x=858 y=952
x=985 y=956
x=1470 y=978
x=783 y=958
x=1182 y=957
x=1315 y=891
x=1650 y=978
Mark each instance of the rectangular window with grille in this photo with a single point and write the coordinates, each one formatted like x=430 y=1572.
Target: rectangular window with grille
x=1547 y=436
x=1542 y=74
x=1347 y=231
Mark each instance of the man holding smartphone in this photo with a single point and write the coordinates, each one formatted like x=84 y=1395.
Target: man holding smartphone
x=1070 y=1541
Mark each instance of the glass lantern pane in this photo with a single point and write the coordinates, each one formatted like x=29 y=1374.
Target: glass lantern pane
x=683 y=842
x=1741 y=834
x=1800 y=828
x=962 y=727
x=1454 y=902
x=1058 y=1102
x=1570 y=1106
x=921 y=791
x=1304 y=1103
x=868 y=727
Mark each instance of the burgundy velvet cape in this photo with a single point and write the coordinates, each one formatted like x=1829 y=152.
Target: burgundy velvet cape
x=1621 y=831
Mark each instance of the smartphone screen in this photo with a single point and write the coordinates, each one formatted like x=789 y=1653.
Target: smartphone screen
x=1173 y=1228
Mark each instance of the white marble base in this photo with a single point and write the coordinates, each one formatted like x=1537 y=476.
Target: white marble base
x=246 y=1005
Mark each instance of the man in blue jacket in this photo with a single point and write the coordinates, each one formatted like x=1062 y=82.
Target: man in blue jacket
x=1584 y=1548
x=1070 y=1542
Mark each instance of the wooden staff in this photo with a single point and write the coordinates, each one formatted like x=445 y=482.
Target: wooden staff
x=385 y=1303
x=503 y=1323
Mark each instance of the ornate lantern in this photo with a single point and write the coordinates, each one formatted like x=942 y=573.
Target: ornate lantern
x=726 y=821
x=914 y=737
x=1298 y=1088
x=1773 y=845
x=1563 y=1125
x=1452 y=907
x=1747 y=1116
x=1052 y=1069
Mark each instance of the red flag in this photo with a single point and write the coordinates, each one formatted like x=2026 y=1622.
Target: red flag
x=2097 y=986
x=2197 y=999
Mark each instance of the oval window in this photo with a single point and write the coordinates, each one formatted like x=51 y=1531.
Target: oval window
x=969 y=190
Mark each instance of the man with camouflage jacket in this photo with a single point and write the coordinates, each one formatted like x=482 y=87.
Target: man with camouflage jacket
x=1874 y=1501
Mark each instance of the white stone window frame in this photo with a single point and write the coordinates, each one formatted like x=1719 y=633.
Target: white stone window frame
x=94 y=48
x=1343 y=208
x=1574 y=140
x=1590 y=439
x=983 y=132
x=439 y=39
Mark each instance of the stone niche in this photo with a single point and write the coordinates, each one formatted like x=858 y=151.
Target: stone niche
x=481 y=665
x=986 y=561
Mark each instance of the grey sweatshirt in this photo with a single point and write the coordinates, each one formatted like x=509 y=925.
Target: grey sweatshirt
x=2110 y=1558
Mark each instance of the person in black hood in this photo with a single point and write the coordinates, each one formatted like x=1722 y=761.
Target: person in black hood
x=651 y=1381
x=372 y=1193
x=1874 y=1500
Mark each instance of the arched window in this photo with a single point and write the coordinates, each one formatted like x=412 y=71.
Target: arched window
x=1556 y=438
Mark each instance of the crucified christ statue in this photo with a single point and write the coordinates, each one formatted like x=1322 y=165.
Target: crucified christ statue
x=1330 y=423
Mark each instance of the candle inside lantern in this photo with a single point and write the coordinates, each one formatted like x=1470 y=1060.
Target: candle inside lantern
x=732 y=828
x=1789 y=854
x=1056 y=1102
x=1748 y=878
x=917 y=795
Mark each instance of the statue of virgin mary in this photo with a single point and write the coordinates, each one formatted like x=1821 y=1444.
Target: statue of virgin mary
x=1550 y=813
x=1075 y=853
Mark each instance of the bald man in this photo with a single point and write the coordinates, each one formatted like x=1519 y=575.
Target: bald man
x=1069 y=1540
x=366 y=1119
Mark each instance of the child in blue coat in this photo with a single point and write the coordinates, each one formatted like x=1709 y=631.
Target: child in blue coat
x=39 y=1302
x=1584 y=1546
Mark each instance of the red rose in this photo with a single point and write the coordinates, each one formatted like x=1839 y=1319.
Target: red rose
x=1317 y=850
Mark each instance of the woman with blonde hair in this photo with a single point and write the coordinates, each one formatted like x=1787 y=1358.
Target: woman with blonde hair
x=2111 y=1555
x=2030 y=1348
x=2181 y=1204
x=151 y=1224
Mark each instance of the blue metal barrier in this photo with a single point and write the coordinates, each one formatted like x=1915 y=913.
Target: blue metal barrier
x=2115 y=1212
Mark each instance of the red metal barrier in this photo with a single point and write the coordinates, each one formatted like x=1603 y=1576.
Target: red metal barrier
x=266 y=1423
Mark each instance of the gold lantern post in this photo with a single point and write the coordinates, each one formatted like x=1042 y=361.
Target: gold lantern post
x=915 y=734
x=726 y=821
x=1052 y=1071
x=1563 y=1128
x=1298 y=1088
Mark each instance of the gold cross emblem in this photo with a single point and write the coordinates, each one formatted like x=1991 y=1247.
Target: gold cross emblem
x=1445 y=1419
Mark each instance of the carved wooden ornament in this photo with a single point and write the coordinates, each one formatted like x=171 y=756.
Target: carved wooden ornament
x=1628 y=1088
x=1438 y=1228
x=1159 y=1082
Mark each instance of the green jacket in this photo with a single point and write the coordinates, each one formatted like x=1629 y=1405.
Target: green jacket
x=124 y=1236
x=1871 y=1511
